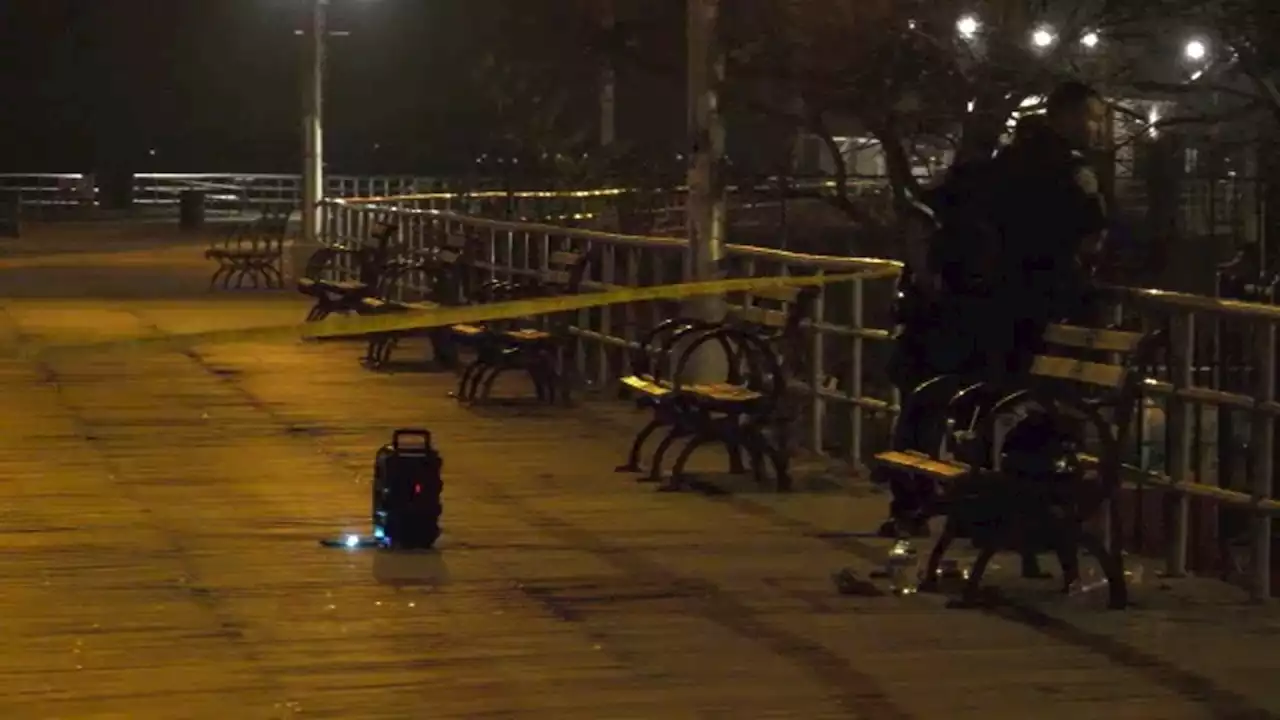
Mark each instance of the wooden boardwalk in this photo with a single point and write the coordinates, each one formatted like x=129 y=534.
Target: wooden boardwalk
x=161 y=516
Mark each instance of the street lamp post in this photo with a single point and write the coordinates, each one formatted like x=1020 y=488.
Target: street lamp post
x=706 y=206
x=608 y=81
x=313 y=123
x=706 y=202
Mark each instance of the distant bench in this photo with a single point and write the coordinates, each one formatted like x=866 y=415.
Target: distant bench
x=541 y=346
x=447 y=274
x=253 y=252
x=450 y=276
x=343 y=296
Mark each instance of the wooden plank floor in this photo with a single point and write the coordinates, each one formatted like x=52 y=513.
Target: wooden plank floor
x=162 y=516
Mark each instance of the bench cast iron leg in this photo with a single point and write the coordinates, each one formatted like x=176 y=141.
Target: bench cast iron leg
x=469 y=385
x=929 y=578
x=971 y=596
x=756 y=449
x=655 y=467
x=777 y=452
x=494 y=372
x=676 y=481
x=543 y=390
x=217 y=275
x=386 y=348
x=274 y=275
x=373 y=352
x=637 y=445
x=737 y=465
x=1112 y=569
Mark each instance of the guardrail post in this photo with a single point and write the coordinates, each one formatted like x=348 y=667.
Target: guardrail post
x=608 y=269
x=1263 y=430
x=817 y=377
x=855 y=373
x=1180 y=435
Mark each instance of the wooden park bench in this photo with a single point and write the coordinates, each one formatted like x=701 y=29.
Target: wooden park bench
x=540 y=347
x=449 y=275
x=1009 y=470
x=253 y=252
x=343 y=296
x=749 y=412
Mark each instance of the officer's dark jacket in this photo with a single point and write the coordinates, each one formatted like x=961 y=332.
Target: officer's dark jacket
x=1042 y=201
x=1049 y=206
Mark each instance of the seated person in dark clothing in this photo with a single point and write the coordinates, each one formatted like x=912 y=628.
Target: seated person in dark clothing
x=1017 y=240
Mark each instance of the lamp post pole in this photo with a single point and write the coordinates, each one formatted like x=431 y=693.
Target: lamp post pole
x=706 y=206
x=706 y=202
x=313 y=123
x=608 y=82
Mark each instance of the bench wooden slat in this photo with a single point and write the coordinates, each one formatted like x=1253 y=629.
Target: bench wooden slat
x=723 y=392
x=1083 y=371
x=527 y=335
x=761 y=316
x=556 y=277
x=1093 y=339
x=346 y=285
x=778 y=294
x=564 y=258
x=919 y=462
x=646 y=385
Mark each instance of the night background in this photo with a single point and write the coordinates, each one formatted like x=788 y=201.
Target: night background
x=200 y=475
x=215 y=85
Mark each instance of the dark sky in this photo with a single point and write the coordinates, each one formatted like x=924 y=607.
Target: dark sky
x=214 y=85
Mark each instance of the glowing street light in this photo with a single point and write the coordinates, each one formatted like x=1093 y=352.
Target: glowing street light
x=1043 y=37
x=968 y=26
x=1195 y=50
x=1090 y=40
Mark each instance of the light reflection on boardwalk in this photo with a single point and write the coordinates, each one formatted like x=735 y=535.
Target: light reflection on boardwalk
x=160 y=516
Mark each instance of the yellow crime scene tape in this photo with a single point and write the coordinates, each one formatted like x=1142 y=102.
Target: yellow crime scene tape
x=333 y=328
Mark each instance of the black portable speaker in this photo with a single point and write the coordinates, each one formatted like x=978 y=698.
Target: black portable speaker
x=406 y=491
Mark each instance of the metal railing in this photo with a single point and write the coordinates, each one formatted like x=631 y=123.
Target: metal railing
x=50 y=189
x=653 y=211
x=229 y=192
x=850 y=401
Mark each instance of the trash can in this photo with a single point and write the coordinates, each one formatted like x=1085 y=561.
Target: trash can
x=191 y=209
x=10 y=213
x=117 y=190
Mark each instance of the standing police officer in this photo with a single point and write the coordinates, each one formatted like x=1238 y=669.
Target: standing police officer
x=993 y=283
x=1052 y=221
